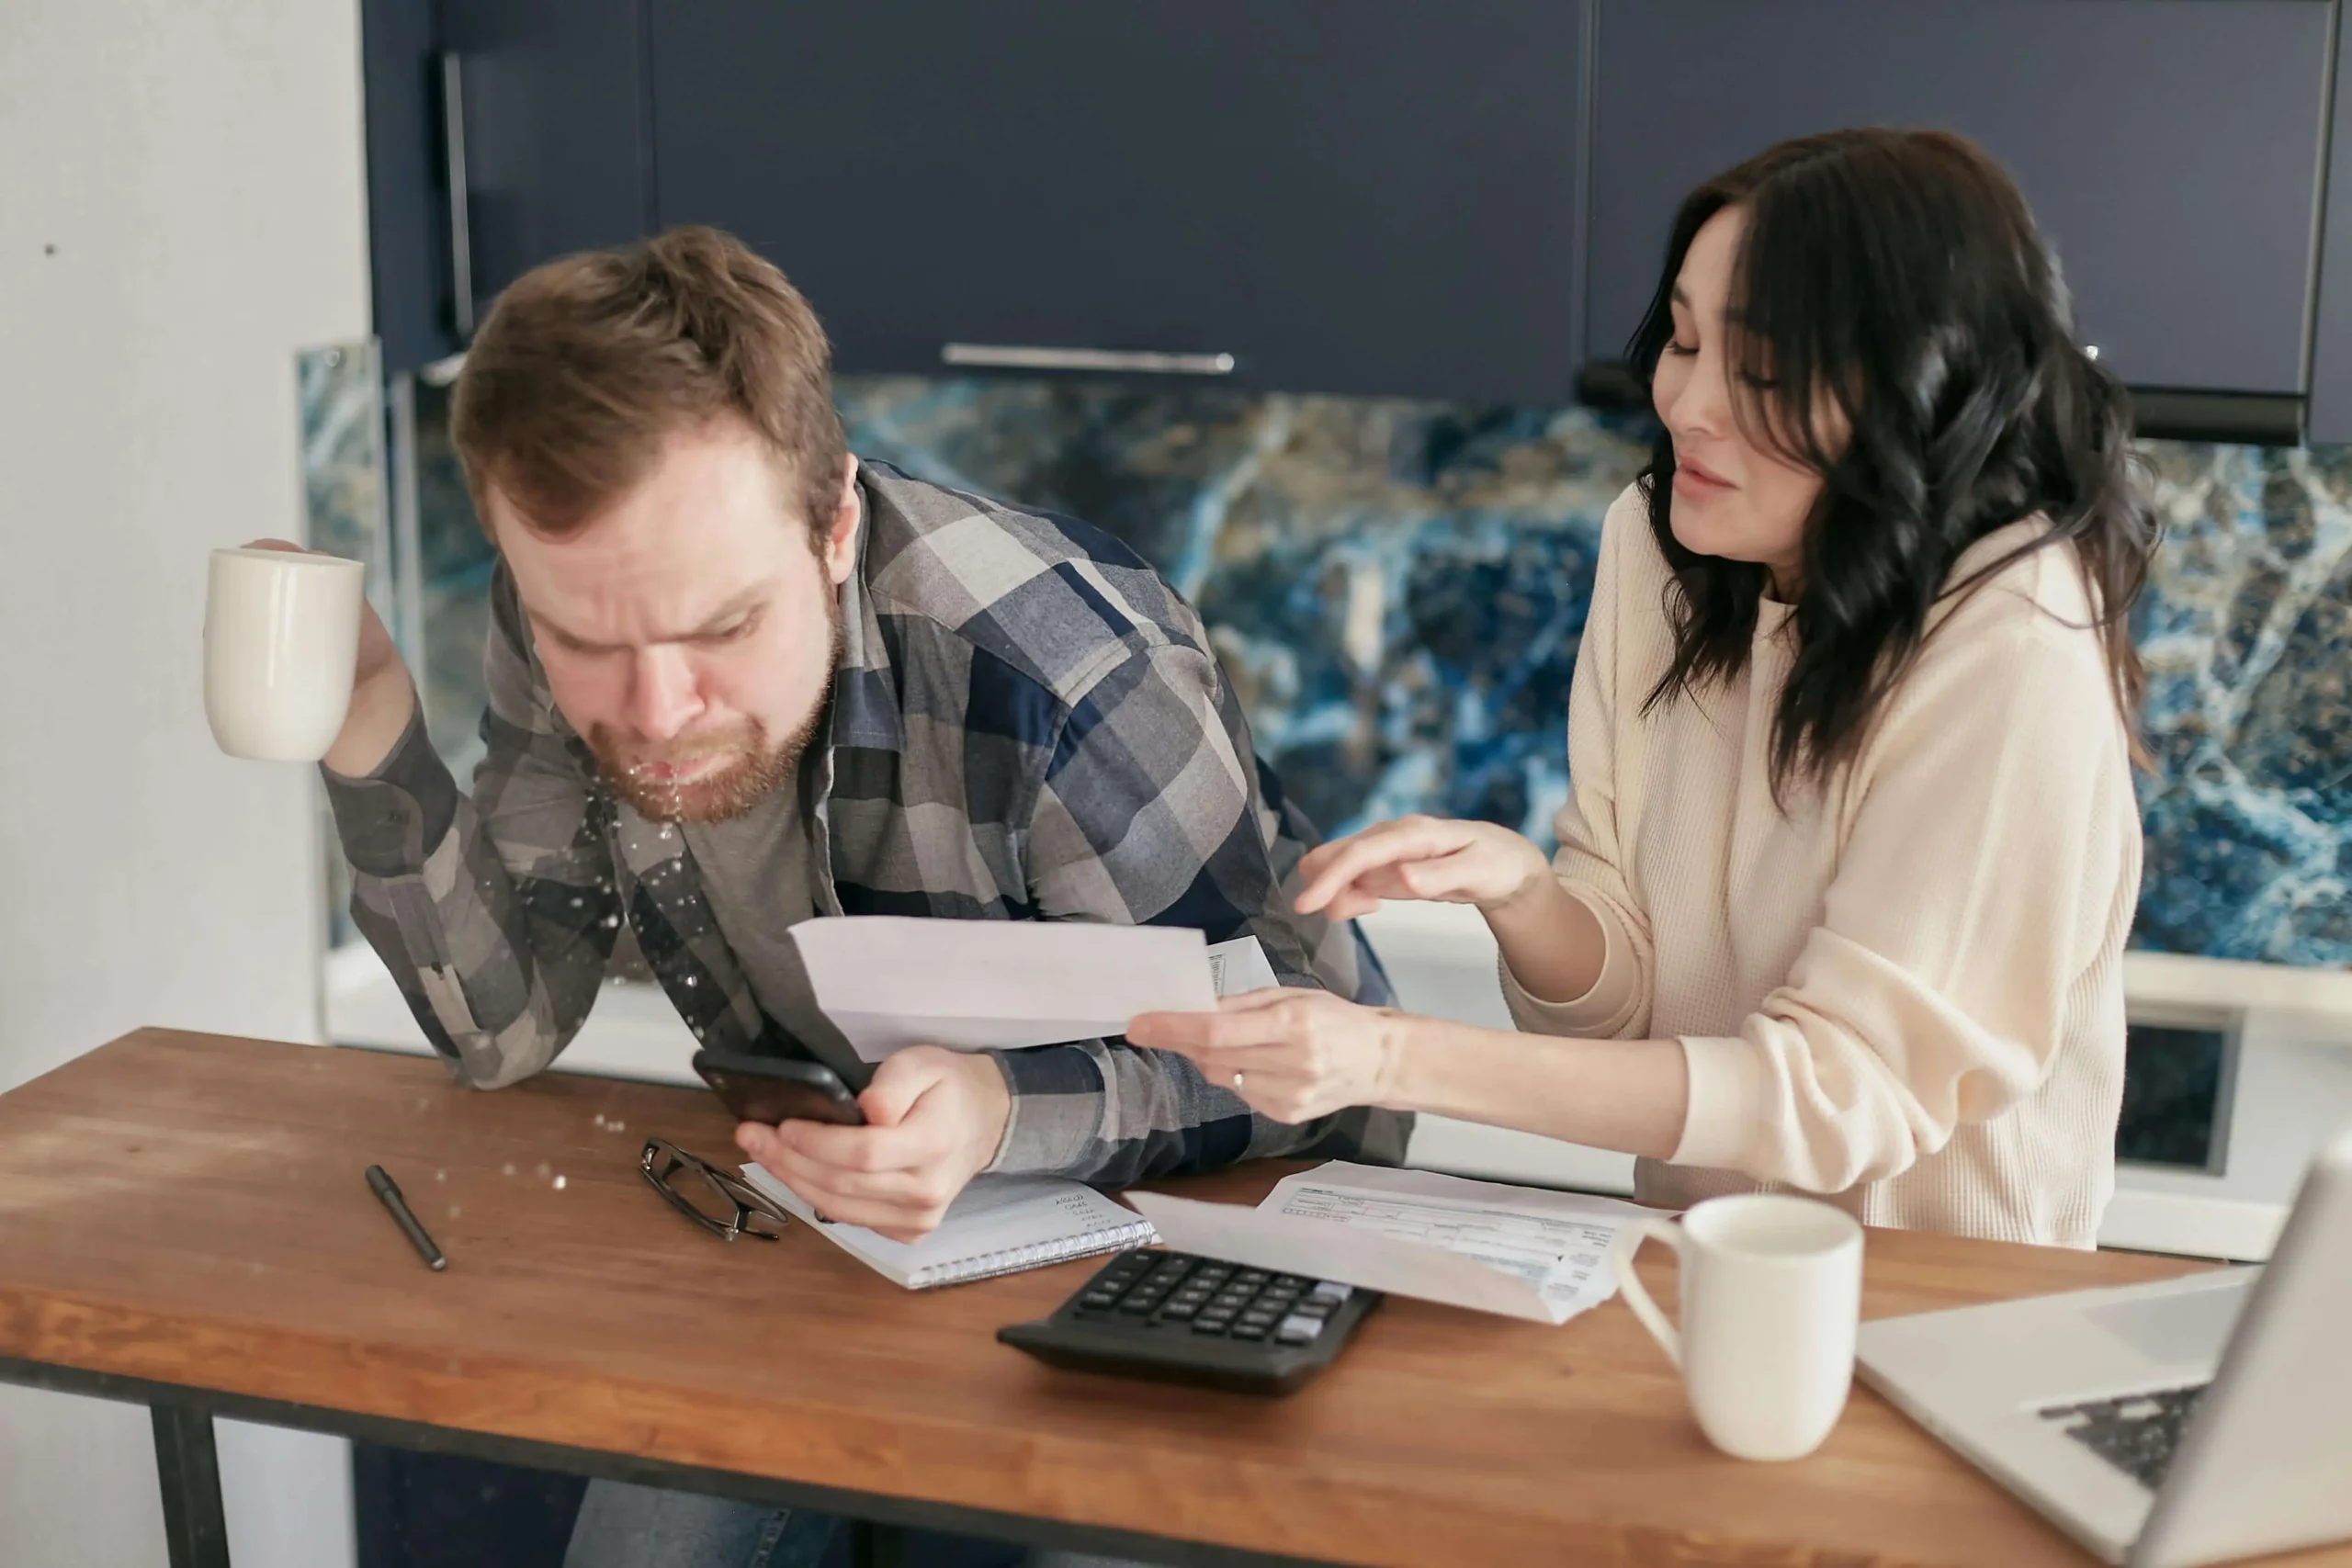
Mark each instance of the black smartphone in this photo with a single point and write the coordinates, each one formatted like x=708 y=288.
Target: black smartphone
x=777 y=1089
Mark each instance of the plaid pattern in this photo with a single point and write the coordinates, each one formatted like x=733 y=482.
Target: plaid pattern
x=1028 y=724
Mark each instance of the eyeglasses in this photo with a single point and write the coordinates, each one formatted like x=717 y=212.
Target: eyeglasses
x=727 y=1206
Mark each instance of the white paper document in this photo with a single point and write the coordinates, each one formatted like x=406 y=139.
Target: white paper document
x=887 y=982
x=1483 y=1244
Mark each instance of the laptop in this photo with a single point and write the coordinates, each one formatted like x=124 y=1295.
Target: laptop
x=2163 y=1426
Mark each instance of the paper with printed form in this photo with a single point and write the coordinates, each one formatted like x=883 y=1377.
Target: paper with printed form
x=1483 y=1244
x=887 y=982
x=1557 y=1241
x=1239 y=965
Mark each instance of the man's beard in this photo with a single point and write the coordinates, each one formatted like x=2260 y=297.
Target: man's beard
x=755 y=765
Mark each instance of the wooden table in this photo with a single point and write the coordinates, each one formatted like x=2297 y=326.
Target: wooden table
x=184 y=1223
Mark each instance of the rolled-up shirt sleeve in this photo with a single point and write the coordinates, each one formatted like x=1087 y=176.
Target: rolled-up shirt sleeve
x=495 y=912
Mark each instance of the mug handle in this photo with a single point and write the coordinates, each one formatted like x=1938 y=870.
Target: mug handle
x=1629 y=1239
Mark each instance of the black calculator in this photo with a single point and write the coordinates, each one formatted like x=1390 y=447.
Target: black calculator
x=1186 y=1319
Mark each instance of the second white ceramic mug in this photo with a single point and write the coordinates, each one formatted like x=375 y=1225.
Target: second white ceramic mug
x=282 y=638
x=1771 y=1295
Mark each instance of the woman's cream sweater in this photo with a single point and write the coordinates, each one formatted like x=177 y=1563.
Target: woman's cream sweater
x=1907 y=991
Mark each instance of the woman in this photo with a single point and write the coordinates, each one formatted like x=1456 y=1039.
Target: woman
x=1852 y=849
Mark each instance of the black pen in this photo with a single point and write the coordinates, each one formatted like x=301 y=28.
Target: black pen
x=389 y=1192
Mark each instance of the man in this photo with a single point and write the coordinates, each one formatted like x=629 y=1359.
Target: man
x=737 y=678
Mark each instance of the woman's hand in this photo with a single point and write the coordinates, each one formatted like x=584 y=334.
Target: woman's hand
x=1292 y=1054
x=1420 y=857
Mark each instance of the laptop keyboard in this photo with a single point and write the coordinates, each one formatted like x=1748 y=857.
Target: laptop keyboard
x=2135 y=1433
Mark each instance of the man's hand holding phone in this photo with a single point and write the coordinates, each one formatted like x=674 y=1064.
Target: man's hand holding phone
x=933 y=1120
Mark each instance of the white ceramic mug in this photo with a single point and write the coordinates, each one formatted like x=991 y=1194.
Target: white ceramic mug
x=282 y=638
x=1772 y=1294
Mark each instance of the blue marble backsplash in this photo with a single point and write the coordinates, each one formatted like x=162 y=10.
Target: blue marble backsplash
x=2247 y=634
x=1398 y=589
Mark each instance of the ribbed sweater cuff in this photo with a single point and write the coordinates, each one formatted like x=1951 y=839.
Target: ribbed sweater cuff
x=1726 y=1099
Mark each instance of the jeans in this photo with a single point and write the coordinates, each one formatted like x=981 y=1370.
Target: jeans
x=624 y=1525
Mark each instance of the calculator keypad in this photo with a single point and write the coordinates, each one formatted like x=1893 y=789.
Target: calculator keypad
x=1196 y=1320
x=1214 y=1300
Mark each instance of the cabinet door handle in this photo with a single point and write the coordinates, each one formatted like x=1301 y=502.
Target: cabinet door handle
x=453 y=149
x=1113 y=361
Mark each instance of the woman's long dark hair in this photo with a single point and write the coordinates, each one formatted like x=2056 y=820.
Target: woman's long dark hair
x=1893 y=283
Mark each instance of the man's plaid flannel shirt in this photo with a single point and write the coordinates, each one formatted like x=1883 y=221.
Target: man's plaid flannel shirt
x=1026 y=724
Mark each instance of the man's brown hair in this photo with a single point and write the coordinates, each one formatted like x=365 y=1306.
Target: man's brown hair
x=588 y=363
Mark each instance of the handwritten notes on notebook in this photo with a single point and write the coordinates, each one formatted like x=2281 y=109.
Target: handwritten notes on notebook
x=1483 y=1244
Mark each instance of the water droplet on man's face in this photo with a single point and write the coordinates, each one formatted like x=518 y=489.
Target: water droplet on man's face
x=717 y=775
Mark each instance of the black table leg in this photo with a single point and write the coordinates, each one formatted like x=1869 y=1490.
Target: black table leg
x=189 y=1468
x=870 y=1545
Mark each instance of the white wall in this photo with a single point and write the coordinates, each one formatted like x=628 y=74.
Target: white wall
x=181 y=207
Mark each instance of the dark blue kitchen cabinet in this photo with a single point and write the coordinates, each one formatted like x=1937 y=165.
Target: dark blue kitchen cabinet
x=409 y=257
x=553 y=108
x=553 y=131
x=1347 y=196
x=2331 y=398
x=2171 y=149
x=500 y=133
x=1462 y=200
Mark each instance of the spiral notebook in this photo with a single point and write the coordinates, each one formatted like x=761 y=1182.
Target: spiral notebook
x=1002 y=1224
